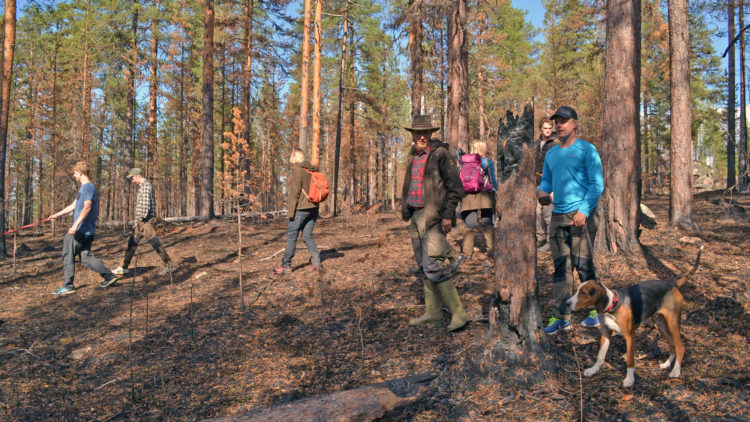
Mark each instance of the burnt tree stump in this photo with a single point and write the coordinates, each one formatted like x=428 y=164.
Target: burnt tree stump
x=515 y=308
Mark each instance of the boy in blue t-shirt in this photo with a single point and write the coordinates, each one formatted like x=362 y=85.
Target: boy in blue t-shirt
x=573 y=171
x=80 y=235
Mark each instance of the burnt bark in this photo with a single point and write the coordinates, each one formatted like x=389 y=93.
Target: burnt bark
x=153 y=95
x=742 y=171
x=731 y=124
x=516 y=305
x=247 y=78
x=207 y=117
x=681 y=172
x=620 y=144
x=416 y=54
x=304 y=92
x=458 y=76
x=342 y=74
x=315 y=155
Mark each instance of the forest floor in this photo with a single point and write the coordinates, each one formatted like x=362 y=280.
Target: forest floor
x=154 y=347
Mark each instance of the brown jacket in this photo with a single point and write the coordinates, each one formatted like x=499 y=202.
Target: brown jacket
x=299 y=180
x=478 y=201
x=541 y=152
x=442 y=185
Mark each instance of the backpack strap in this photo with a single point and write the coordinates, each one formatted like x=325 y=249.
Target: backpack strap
x=303 y=189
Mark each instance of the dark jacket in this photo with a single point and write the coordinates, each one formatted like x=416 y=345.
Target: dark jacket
x=442 y=185
x=299 y=180
x=541 y=152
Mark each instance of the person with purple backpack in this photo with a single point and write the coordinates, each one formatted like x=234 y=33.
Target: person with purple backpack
x=478 y=205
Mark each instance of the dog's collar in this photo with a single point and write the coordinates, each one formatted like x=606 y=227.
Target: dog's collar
x=614 y=302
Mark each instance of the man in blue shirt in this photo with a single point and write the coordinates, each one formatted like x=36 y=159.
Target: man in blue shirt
x=573 y=172
x=80 y=235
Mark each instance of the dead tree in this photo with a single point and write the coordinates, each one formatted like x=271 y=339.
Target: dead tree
x=516 y=312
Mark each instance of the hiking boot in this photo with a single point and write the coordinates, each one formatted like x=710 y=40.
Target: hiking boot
x=170 y=267
x=432 y=304
x=282 y=270
x=107 y=283
x=456 y=263
x=556 y=325
x=592 y=320
x=64 y=290
x=120 y=271
x=450 y=297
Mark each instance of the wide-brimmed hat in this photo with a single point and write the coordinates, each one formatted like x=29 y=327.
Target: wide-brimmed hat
x=134 y=171
x=422 y=122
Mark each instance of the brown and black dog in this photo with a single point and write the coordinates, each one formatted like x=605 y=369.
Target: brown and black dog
x=623 y=310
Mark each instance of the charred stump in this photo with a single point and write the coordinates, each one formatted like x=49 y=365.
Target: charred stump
x=515 y=315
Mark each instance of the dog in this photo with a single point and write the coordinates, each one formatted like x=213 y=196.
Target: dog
x=623 y=310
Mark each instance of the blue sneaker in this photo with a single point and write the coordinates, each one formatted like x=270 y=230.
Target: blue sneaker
x=592 y=320
x=62 y=291
x=556 y=325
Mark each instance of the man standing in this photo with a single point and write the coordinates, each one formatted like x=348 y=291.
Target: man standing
x=543 y=212
x=145 y=211
x=573 y=172
x=431 y=191
x=80 y=235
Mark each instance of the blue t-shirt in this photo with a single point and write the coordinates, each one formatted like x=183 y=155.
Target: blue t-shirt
x=574 y=174
x=87 y=193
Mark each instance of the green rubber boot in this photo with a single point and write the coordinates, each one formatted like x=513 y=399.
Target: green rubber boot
x=450 y=297
x=432 y=302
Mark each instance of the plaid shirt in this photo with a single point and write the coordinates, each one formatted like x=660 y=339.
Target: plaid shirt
x=145 y=206
x=416 y=186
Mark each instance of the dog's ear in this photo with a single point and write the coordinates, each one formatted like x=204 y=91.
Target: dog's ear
x=602 y=300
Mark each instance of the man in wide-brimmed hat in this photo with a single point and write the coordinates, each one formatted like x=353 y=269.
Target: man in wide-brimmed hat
x=431 y=191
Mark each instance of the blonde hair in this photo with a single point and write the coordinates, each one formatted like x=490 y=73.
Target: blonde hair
x=478 y=147
x=297 y=156
x=81 y=167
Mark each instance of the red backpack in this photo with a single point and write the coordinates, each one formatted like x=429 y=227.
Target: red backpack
x=318 y=191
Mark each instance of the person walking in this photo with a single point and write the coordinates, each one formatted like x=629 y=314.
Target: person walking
x=143 y=229
x=478 y=204
x=80 y=235
x=546 y=141
x=431 y=192
x=302 y=213
x=573 y=172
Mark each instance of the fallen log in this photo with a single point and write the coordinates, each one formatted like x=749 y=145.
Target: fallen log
x=365 y=403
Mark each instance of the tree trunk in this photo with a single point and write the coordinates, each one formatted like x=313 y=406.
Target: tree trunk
x=353 y=161
x=184 y=142
x=621 y=152
x=86 y=92
x=153 y=95
x=207 y=117
x=342 y=74
x=458 y=75
x=520 y=321
x=417 y=54
x=304 y=99
x=742 y=171
x=9 y=47
x=247 y=79
x=132 y=74
x=315 y=156
x=29 y=148
x=366 y=403
x=480 y=86
x=681 y=173
x=731 y=125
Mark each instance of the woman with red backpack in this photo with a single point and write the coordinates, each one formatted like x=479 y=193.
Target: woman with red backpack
x=302 y=211
x=478 y=206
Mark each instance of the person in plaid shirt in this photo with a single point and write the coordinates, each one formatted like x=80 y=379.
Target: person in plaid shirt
x=431 y=191
x=145 y=211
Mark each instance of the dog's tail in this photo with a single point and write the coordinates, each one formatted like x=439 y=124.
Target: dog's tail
x=685 y=277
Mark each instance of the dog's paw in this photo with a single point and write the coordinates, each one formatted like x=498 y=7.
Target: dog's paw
x=590 y=371
x=667 y=363
x=629 y=378
x=676 y=371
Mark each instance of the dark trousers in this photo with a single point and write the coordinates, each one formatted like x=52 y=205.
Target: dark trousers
x=304 y=221
x=144 y=231
x=570 y=249
x=80 y=244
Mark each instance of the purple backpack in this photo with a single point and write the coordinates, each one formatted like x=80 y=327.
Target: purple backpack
x=474 y=177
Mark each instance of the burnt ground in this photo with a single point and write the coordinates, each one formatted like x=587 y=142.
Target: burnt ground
x=157 y=347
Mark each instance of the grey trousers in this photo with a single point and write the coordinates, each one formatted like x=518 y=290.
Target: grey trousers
x=431 y=248
x=80 y=244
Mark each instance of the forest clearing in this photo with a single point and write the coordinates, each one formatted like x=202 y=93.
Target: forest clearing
x=196 y=355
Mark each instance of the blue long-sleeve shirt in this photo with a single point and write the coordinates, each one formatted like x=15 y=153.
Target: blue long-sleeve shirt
x=574 y=174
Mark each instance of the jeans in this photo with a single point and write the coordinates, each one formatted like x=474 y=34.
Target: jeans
x=80 y=244
x=304 y=221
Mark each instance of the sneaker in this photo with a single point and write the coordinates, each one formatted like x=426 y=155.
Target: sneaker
x=120 y=271
x=282 y=270
x=592 y=320
x=107 y=283
x=556 y=325
x=314 y=268
x=169 y=268
x=62 y=291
